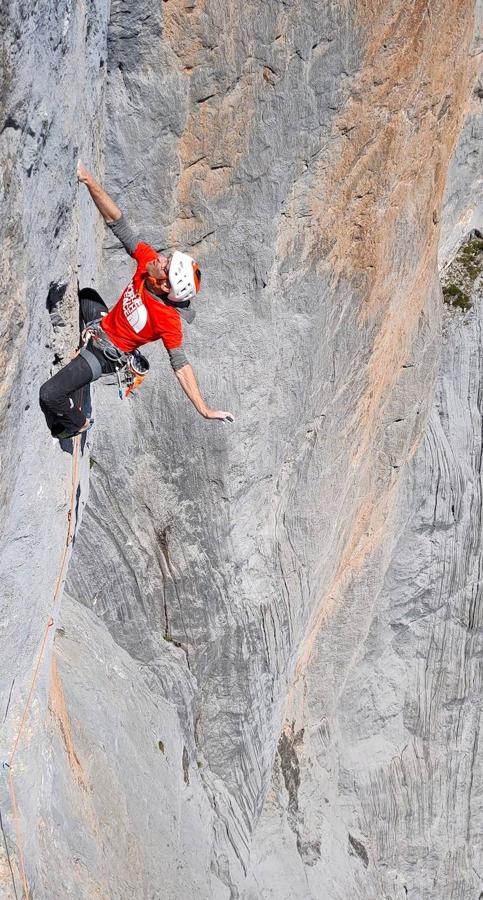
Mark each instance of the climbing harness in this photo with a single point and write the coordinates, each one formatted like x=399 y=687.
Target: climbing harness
x=130 y=368
x=101 y=341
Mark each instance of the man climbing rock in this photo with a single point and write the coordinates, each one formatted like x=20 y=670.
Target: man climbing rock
x=150 y=308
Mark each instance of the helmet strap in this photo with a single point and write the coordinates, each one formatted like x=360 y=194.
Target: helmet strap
x=181 y=304
x=155 y=283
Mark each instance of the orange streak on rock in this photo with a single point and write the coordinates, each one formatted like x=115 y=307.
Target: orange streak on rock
x=397 y=134
x=58 y=709
x=180 y=27
x=390 y=144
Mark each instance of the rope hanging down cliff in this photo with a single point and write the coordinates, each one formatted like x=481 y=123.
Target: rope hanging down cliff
x=55 y=605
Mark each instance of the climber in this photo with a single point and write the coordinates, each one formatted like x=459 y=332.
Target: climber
x=150 y=308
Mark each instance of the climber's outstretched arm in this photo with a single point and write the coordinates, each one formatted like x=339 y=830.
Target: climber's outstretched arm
x=187 y=380
x=104 y=203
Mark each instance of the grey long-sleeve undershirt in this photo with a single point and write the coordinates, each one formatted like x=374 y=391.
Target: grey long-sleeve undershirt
x=129 y=240
x=124 y=233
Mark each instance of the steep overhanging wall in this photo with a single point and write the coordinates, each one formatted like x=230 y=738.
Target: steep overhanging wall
x=225 y=580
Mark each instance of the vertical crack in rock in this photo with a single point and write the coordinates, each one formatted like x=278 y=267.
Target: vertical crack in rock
x=58 y=710
x=289 y=743
x=289 y=765
x=186 y=774
x=358 y=848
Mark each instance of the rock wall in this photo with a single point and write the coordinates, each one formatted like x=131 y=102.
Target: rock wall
x=51 y=98
x=377 y=791
x=238 y=669
x=376 y=786
x=462 y=206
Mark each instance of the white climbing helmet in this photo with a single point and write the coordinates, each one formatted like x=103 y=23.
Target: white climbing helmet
x=184 y=277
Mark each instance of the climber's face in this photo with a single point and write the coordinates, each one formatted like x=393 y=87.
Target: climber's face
x=157 y=271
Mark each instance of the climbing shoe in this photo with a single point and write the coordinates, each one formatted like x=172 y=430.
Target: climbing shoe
x=66 y=433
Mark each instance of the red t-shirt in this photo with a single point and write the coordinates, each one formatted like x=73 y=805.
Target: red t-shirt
x=138 y=318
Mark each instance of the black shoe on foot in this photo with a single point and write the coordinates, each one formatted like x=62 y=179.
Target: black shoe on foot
x=66 y=433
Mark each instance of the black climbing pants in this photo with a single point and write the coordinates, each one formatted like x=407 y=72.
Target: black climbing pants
x=58 y=399
x=61 y=396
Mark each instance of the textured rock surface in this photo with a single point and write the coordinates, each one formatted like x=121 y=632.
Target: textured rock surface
x=51 y=95
x=388 y=769
x=384 y=765
x=463 y=209
x=242 y=595
x=125 y=801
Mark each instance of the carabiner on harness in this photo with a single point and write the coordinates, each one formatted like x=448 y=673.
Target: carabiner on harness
x=119 y=385
x=135 y=371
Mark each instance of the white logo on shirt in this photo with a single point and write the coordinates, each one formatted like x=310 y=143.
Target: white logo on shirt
x=134 y=309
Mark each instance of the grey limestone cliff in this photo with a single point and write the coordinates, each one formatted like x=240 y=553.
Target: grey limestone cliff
x=262 y=680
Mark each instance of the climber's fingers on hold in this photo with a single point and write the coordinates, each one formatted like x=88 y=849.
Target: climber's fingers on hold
x=82 y=172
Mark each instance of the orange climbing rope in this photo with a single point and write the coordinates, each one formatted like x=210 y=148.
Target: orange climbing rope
x=55 y=604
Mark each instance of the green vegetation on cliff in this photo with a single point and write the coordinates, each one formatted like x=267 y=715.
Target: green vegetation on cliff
x=459 y=279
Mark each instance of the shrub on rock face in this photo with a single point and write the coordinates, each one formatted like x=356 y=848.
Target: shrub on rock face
x=471 y=257
x=453 y=295
x=459 y=280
